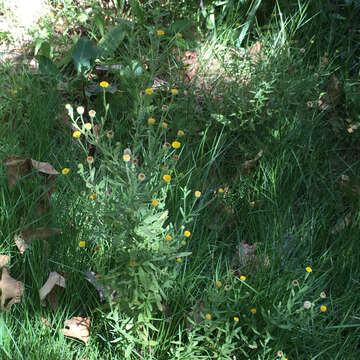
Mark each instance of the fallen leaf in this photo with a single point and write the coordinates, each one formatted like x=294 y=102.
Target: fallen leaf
x=11 y=289
x=4 y=259
x=44 y=167
x=17 y=167
x=21 y=244
x=78 y=328
x=53 y=279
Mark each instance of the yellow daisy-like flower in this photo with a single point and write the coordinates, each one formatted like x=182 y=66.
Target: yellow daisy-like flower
x=167 y=178
x=126 y=157
x=76 y=134
x=221 y=190
x=164 y=124
x=253 y=311
x=308 y=269
x=180 y=133
x=242 y=277
x=65 y=171
x=218 y=283
x=93 y=196
x=155 y=203
x=132 y=262
x=81 y=244
x=178 y=259
x=104 y=84
x=87 y=126
x=236 y=319
x=174 y=91
x=208 y=316
x=149 y=91
x=14 y=92
x=187 y=233
x=168 y=237
x=151 y=120
x=312 y=41
x=176 y=144
x=323 y=308
x=197 y=193
x=160 y=32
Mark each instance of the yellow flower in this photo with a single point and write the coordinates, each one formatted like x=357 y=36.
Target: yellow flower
x=76 y=134
x=164 y=124
x=176 y=144
x=237 y=24
x=253 y=311
x=93 y=196
x=151 y=120
x=104 y=84
x=221 y=190
x=208 y=316
x=167 y=178
x=197 y=193
x=323 y=308
x=14 y=92
x=174 y=91
x=178 y=259
x=218 y=283
x=155 y=203
x=81 y=244
x=126 y=157
x=160 y=32
x=308 y=269
x=242 y=277
x=312 y=41
x=168 y=237
x=65 y=171
x=132 y=262
x=87 y=126
x=67 y=106
x=149 y=91
x=180 y=35
x=236 y=319
x=180 y=133
x=187 y=233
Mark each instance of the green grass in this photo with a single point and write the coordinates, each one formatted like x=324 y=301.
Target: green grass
x=290 y=203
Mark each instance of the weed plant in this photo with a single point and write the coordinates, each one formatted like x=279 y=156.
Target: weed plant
x=215 y=216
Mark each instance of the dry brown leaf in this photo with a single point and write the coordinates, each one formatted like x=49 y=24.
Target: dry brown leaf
x=4 y=260
x=21 y=244
x=79 y=328
x=53 y=279
x=11 y=289
x=17 y=167
x=44 y=167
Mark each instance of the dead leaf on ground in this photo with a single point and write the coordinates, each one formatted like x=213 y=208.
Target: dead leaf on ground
x=249 y=164
x=11 y=289
x=44 y=167
x=4 y=260
x=78 y=328
x=53 y=279
x=17 y=167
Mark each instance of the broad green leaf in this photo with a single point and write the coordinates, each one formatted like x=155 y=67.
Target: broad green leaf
x=84 y=53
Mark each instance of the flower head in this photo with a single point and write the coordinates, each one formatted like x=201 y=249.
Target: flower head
x=151 y=120
x=218 y=283
x=179 y=259
x=323 y=308
x=295 y=283
x=180 y=133
x=65 y=171
x=221 y=190
x=253 y=311
x=76 y=134
x=141 y=176
x=323 y=295
x=167 y=178
x=197 y=193
x=160 y=32
x=132 y=262
x=208 y=316
x=126 y=157
x=280 y=353
x=81 y=244
x=166 y=145
x=168 y=237
x=67 y=106
x=80 y=110
x=227 y=287
x=242 y=277
x=87 y=126
x=308 y=269
x=187 y=233
x=93 y=196
x=149 y=91
x=154 y=203
x=236 y=319
x=92 y=113
x=180 y=35
x=174 y=91
x=164 y=124
x=307 y=304
x=104 y=84
x=90 y=159
x=176 y=144
x=110 y=134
